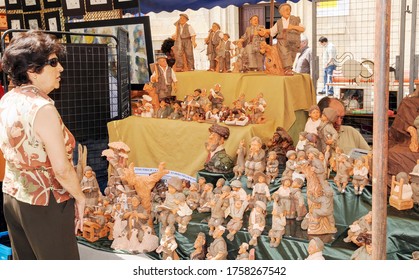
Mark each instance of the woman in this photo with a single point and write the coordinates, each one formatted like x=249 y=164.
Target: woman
x=41 y=190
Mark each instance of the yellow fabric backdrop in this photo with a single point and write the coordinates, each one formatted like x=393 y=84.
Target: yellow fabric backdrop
x=181 y=144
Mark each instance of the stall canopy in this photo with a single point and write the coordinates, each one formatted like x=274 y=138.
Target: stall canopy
x=157 y=6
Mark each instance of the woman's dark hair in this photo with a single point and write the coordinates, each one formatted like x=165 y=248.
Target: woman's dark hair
x=28 y=51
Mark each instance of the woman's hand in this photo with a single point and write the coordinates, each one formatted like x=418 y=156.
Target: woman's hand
x=79 y=210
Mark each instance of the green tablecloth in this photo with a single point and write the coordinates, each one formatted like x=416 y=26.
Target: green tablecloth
x=402 y=233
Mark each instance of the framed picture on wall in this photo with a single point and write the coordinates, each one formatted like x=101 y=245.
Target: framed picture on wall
x=125 y=4
x=98 y=5
x=15 y=21
x=52 y=4
x=73 y=7
x=33 y=21
x=52 y=22
x=31 y=5
x=13 y=4
x=140 y=49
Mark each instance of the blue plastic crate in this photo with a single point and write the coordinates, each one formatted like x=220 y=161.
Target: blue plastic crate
x=5 y=251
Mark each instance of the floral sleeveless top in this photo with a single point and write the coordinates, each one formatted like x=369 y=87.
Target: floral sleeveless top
x=28 y=176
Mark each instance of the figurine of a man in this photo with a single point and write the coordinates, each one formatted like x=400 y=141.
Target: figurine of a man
x=90 y=187
x=213 y=40
x=218 y=248
x=164 y=78
x=287 y=31
x=315 y=249
x=252 y=40
x=218 y=161
x=184 y=44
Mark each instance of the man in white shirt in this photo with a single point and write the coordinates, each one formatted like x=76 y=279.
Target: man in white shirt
x=329 y=65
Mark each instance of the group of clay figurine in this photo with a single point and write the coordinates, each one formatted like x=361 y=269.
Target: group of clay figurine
x=201 y=106
x=251 y=51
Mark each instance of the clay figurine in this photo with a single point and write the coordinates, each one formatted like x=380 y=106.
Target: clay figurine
x=237 y=191
x=218 y=248
x=218 y=161
x=282 y=196
x=163 y=78
x=414 y=135
x=261 y=189
x=164 y=110
x=343 y=170
x=237 y=209
x=255 y=160
x=302 y=141
x=238 y=169
x=224 y=49
x=241 y=65
x=272 y=170
x=183 y=214
x=144 y=184
x=216 y=97
x=218 y=204
x=320 y=219
x=313 y=120
x=363 y=224
x=90 y=187
x=360 y=176
x=168 y=210
x=200 y=246
x=298 y=207
x=184 y=44
x=315 y=249
x=326 y=132
x=252 y=40
x=193 y=197
x=244 y=254
x=290 y=165
x=257 y=222
x=365 y=251
x=168 y=245
x=278 y=225
x=213 y=40
x=401 y=192
x=273 y=63
x=206 y=197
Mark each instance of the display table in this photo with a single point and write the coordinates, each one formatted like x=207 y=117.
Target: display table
x=181 y=144
x=178 y=143
x=284 y=94
x=402 y=233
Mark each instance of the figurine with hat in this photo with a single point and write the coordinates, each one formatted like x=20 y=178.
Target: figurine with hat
x=184 y=44
x=174 y=194
x=163 y=78
x=212 y=41
x=313 y=120
x=224 y=50
x=218 y=248
x=291 y=163
x=272 y=166
x=218 y=161
x=326 y=132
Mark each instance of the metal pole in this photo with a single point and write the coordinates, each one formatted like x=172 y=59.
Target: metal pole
x=315 y=63
x=271 y=18
x=380 y=129
x=400 y=67
x=413 y=70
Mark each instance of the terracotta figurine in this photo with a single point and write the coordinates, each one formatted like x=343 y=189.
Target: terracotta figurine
x=257 y=222
x=218 y=161
x=184 y=44
x=238 y=169
x=363 y=224
x=313 y=120
x=218 y=248
x=168 y=245
x=213 y=40
x=252 y=40
x=326 y=132
x=200 y=246
x=360 y=176
x=163 y=78
x=255 y=160
x=90 y=187
x=315 y=249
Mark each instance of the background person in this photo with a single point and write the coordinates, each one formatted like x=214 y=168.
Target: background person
x=329 y=64
x=304 y=59
x=349 y=137
x=39 y=212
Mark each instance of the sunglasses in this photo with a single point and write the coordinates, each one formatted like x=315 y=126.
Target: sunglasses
x=53 y=62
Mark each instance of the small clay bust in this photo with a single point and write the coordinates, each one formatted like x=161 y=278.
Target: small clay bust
x=218 y=161
x=315 y=249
